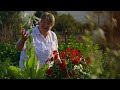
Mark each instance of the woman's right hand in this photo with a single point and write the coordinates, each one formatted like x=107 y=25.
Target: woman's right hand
x=24 y=35
x=20 y=44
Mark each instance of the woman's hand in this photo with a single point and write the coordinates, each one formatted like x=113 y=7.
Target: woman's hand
x=24 y=35
x=20 y=44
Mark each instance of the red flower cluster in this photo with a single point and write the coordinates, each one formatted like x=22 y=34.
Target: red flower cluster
x=74 y=54
x=67 y=60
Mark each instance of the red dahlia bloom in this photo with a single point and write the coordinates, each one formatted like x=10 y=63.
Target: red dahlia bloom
x=75 y=61
x=79 y=54
x=68 y=50
x=56 y=57
x=49 y=71
x=63 y=65
x=62 y=54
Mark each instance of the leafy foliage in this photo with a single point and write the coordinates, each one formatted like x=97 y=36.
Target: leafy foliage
x=8 y=51
x=4 y=71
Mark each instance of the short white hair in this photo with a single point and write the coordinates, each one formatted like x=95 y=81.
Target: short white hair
x=49 y=16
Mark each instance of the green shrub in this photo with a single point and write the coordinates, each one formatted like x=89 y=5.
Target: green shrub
x=9 y=51
x=4 y=71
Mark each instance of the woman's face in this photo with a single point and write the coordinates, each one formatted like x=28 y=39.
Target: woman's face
x=45 y=25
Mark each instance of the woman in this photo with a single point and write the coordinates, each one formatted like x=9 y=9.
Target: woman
x=44 y=40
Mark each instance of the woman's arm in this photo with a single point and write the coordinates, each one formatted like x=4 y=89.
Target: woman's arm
x=21 y=42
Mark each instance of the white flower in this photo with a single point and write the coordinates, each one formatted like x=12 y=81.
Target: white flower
x=81 y=70
x=75 y=67
x=78 y=67
x=81 y=67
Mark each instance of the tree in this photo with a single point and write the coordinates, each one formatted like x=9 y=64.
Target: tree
x=66 y=21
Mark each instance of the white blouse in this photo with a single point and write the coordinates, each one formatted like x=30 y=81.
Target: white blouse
x=43 y=46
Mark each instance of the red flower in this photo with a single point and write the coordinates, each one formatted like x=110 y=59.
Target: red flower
x=75 y=61
x=68 y=50
x=63 y=65
x=54 y=52
x=49 y=71
x=73 y=54
x=56 y=60
x=88 y=60
x=56 y=56
x=74 y=51
x=62 y=54
x=79 y=54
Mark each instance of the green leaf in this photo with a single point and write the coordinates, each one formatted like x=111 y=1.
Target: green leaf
x=25 y=64
x=31 y=61
x=32 y=50
x=30 y=38
x=30 y=30
x=41 y=74
x=37 y=65
x=17 y=72
x=28 y=48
